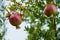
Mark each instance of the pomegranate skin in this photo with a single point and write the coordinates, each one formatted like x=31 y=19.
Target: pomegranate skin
x=50 y=9
x=15 y=19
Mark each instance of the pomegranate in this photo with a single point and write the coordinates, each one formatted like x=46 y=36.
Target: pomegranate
x=15 y=19
x=50 y=9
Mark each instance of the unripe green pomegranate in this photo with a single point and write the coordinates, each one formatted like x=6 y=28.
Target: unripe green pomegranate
x=50 y=9
x=15 y=19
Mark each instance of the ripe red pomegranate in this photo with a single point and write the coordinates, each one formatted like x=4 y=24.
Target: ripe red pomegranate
x=50 y=9
x=15 y=19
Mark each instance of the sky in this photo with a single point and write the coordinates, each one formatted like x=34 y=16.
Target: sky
x=15 y=34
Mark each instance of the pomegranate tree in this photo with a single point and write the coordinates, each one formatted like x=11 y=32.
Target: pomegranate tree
x=50 y=10
x=15 y=19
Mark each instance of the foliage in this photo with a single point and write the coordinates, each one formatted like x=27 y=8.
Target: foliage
x=2 y=21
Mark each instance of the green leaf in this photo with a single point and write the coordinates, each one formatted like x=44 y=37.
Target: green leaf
x=0 y=23
x=13 y=0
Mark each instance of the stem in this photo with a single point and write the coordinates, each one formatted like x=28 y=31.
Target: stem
x=55 y=28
